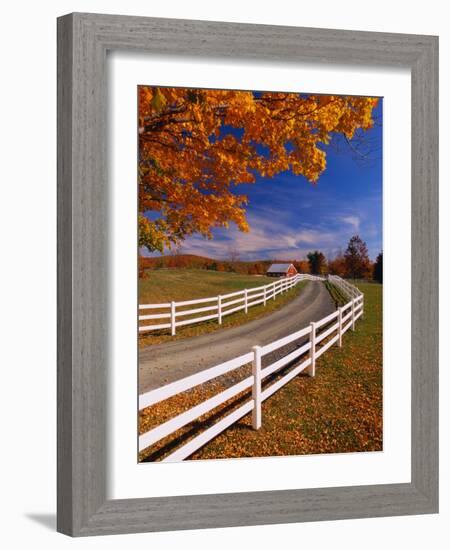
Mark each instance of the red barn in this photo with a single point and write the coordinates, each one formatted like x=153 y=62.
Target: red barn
x=281 y=270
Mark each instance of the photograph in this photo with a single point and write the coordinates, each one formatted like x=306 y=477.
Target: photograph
x=260 y=273
x=236 y=274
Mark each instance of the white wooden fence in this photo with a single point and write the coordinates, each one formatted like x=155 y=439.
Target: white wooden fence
x=178 y=314
x=348 y=290
x=321 y=336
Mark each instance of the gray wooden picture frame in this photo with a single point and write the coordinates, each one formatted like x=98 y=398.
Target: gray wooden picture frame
x=83 y=41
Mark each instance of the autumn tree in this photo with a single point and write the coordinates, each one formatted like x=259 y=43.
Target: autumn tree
x=196 y=146
x=302 y=266
x=337 y=265
x=357 y=263
x=317 y=262
x=378 y=268
x=233 y=258
x=262 y=268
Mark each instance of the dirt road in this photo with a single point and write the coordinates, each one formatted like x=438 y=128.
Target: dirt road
x=164 y=363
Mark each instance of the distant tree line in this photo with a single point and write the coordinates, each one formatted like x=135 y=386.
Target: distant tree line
x=354 y=263
x=191 y=261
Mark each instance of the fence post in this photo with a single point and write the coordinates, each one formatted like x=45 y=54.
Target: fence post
x=219 y=309
x=246 y=301
x=312 y=352
x=340 y=328
x=172 y=319
x=265 y=299
x=362 y=307
x=353 y=314
x=274 y=291
x=256 y=389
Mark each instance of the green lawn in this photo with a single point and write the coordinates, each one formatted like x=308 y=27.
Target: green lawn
x=340 y=410
x=165 y=285
x=189 y=284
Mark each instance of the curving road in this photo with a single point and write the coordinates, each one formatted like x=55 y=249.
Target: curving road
x=164 y=363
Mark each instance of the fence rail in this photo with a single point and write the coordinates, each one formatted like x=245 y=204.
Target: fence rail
x=321 y=334
x=347 y=289
x=216 y=307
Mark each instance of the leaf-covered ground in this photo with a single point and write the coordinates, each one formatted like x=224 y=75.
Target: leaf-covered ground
x=340 y=410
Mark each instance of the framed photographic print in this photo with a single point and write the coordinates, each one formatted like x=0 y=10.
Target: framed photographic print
x=247 y=280
x=245 y=304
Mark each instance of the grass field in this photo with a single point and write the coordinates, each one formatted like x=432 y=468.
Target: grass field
x=165 y=285
x=340 y=410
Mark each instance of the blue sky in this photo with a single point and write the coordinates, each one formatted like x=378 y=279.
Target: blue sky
x=288 y=216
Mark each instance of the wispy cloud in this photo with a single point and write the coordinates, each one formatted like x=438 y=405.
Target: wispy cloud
x=281 y=235
x=269 y=237
x=353 y=221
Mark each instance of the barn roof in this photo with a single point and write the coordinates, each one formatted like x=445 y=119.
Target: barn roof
x=278 y=268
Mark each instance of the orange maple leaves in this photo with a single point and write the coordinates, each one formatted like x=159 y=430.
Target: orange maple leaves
x=196 y=145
